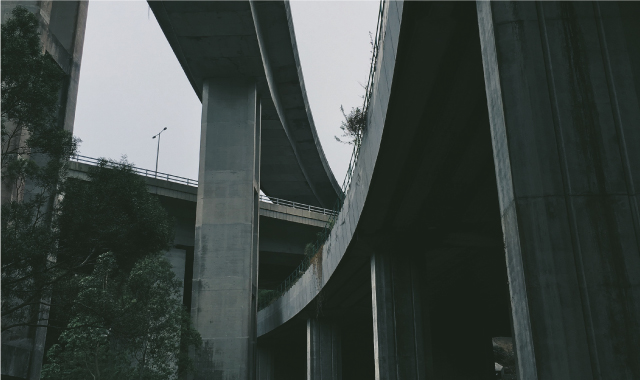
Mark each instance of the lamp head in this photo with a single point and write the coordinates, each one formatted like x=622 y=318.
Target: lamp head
x=153 y=137
x=165 y=128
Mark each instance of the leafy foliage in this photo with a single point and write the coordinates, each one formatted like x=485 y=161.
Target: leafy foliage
x=111 y=212
x=125 y=326
x=31 y=82
x=120 y=314
x=353 y=126
x=34 y=153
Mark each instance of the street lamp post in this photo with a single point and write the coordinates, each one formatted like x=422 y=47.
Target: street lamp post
x=158 y=151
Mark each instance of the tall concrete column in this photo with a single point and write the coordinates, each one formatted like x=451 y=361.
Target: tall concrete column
x=324 y=350
x=265 y=363
x=398 y=340
x=62 y=28
x=226 y=235
x=563 y=84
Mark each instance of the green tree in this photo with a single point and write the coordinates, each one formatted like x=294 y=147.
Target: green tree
x=120 y=311
x=111 y=212
x=125 y=326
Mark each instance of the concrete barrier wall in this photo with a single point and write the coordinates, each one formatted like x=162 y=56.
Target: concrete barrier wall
x=309 y=285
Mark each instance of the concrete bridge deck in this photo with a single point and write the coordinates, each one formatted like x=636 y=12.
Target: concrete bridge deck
x=256 y=40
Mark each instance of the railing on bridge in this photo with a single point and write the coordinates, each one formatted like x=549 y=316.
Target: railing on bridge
x=193 y=182
x=140 y=171
x=296 y=205
x=315 y=248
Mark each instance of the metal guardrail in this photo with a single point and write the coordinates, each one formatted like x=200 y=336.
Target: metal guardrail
x=316 y=247
x=296 y=205
x=140 y=171
x=193 y=182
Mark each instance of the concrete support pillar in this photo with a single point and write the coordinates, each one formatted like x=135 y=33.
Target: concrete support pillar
x=226 y=236
x=265 y=364
x=324 y=350
x=563 y=85
x=398 y=340
x=62 y=28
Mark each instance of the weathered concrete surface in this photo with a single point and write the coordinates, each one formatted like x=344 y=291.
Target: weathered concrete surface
x=225 y=280
x=562 y=82
x=256 y=40
x=265 y=368
x=62 y=28
x=324 y=350
x=398 y=341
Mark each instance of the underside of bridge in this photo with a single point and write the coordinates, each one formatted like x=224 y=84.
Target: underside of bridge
x=437 y=209
x=500 y=122
x=495 y=195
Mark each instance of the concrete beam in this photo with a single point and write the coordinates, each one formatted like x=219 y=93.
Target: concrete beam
x=562 y=84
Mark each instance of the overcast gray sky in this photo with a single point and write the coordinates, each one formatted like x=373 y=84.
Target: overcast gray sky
x=132 y=86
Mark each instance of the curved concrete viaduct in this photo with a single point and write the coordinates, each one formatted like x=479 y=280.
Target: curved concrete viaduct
x=495 y=195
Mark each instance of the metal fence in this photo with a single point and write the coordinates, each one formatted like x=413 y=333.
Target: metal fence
x=140 y=171
x=315 y=248
x=193 y=182
x=299 y=206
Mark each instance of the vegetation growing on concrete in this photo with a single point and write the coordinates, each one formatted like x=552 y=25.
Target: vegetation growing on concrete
x=353 y=127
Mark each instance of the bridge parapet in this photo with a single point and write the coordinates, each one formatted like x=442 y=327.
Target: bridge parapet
x=186 y=189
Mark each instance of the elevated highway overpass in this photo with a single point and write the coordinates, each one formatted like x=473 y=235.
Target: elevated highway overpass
x=495 y=194
x=286 y=227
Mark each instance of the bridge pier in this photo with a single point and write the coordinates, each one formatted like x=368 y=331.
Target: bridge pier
x=62 y=28
x=562 y=82
x=398 y=340
x=324 y=350
x=226 y=233
x=265 y=364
